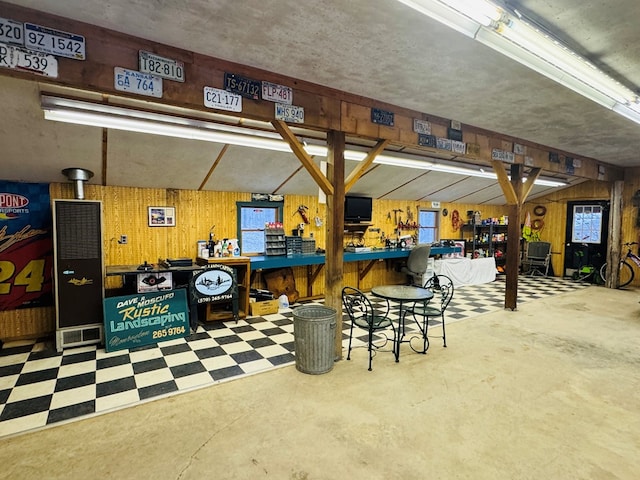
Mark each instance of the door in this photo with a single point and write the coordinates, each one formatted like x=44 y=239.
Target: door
x=586 y=234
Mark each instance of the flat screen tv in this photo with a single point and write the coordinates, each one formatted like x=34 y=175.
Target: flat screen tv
x=357 y=209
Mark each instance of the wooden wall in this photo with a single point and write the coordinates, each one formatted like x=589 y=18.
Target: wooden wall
x=125 y=213
x=555 y=219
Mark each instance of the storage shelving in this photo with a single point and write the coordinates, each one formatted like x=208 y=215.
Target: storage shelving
x=275 y=241
x=489 y=240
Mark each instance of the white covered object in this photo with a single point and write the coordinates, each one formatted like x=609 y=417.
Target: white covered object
x=467 y=271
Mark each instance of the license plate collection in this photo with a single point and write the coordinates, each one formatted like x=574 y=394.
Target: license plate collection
x=30 y=47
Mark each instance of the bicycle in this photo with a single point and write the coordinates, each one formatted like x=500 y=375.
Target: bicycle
x=626 y=272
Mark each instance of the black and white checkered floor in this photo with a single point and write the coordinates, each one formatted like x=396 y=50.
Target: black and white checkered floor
x=40 y=387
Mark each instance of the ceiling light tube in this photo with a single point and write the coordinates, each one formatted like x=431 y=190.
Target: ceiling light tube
x=403 y=162
x=540 y=65
x=541 y=44
x=480 y=11
x=445 y=15
x=627 y=112
x=156 y=128
x=547 y=183
x=50 y=103
x=104 y=116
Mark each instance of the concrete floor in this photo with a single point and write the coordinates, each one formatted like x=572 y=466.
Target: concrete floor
x=551 y=391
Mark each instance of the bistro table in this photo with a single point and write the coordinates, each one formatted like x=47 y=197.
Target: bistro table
x=401 y=294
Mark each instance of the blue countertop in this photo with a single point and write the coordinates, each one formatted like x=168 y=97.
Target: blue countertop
x=263 y=262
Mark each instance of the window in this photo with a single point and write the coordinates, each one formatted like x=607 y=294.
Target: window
x=252 y=217
x=587 y=224
x=428 y=221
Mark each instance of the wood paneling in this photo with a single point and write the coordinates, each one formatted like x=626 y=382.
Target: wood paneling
x=27 y=323
x=555 y=219
x=125 y=212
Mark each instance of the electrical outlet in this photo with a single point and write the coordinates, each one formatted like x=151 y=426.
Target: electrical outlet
x=123 y=240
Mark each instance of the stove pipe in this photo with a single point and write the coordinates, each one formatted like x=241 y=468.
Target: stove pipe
x=78 y=176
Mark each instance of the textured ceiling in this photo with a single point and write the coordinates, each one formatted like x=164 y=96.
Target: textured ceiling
x=386 y=51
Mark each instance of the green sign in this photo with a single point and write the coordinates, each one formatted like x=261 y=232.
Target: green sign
x=136 y=320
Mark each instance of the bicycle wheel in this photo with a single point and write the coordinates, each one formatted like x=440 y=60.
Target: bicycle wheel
x=625 y=274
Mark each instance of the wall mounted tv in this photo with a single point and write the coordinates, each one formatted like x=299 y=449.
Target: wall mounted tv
x=357 y=209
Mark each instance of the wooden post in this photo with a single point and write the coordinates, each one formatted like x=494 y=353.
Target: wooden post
x=515 y=193
x=335 y=232
x=614 y=236
x=513 y=240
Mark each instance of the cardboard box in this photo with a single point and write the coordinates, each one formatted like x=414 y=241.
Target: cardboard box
x=263 y=308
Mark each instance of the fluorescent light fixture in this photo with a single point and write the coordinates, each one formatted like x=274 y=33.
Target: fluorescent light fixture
x=446 y=15
x=547 y=183
x=118 y=118
x=130 y=120
x=521 y=41
x=562 y=58
x=479 y=11
x=540 y=65
x=628 y=112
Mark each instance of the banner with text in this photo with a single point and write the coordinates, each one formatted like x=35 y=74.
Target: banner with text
x=136 y=320
x=26 y=245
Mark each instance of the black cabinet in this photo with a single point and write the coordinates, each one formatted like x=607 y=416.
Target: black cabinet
x=79 y=272
x=486 y=240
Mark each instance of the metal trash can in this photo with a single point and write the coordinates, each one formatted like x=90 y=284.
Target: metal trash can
x=314 y=331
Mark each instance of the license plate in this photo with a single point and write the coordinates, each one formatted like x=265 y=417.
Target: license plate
x=289 y=113
x=502 y=155
x=55 y=42
x=137 y=82
x=382 y=117
x=161 y=66
x=443 y=143
x=426 y=140
x=11 y=31
x=421 y=126
x=242 y=86
x=277 y=93
x=23 y=59
x=222 y=100
x=458 y=147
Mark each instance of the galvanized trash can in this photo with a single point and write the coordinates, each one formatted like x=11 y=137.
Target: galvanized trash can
x=314 y=331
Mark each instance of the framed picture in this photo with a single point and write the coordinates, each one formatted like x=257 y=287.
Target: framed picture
x=162 y=216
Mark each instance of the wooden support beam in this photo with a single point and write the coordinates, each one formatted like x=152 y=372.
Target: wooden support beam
x=364 y=165
x=312 y=275
x=363 y=273
x=614 y=236
x=334 y=240
x=299 y=151
x=213 y=166
x=503 y=181
x=528 y=185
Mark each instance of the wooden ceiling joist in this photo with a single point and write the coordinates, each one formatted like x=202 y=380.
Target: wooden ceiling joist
x=362 y=167
x=298 y=149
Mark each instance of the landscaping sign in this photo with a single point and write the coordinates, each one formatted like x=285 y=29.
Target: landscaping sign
x=136 y=320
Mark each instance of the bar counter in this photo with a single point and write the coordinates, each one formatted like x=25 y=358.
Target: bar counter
x=264 y=262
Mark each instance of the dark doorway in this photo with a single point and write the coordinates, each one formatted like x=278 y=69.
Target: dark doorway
x=586 y=234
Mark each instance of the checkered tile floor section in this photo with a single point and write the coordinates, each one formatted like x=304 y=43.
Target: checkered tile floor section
x=40 y=387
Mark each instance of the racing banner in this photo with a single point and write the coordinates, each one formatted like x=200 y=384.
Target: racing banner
x=26 y=245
